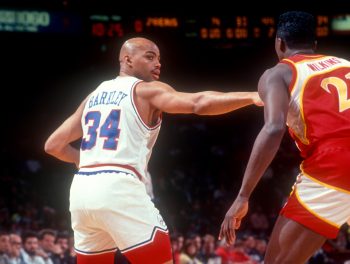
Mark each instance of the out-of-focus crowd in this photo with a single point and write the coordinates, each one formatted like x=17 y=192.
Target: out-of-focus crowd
x=249 y=249
x=43 y=247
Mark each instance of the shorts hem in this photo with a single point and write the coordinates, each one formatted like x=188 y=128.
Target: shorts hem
x=95 y=252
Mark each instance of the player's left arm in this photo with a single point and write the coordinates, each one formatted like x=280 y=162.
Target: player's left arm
x=273 y=90
x=58 y=143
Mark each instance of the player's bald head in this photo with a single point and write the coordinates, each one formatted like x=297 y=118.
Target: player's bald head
x=140 y=57
x=133 y=45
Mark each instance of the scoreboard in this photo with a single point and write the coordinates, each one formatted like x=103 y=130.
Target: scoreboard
x=239 y=27
x=243 y=28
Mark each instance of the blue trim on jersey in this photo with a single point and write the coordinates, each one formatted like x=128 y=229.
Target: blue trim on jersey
x=89 y=173
x=144 y=242
x=96 y=252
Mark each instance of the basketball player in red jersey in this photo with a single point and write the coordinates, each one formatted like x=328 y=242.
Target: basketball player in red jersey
x=309 y=93
x=119 y=123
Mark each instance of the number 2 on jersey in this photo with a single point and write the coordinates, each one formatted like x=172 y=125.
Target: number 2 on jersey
x=108 y=130
x=342 y=89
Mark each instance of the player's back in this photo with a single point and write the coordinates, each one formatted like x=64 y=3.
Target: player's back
x=113 y=132
x=319 y=106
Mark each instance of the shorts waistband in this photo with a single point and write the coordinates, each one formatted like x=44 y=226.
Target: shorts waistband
x=92 y=169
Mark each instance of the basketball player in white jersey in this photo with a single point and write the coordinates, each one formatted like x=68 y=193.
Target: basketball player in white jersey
x=119 y=123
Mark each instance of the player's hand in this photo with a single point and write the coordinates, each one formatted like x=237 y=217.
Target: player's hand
x=232 y=220
x=257 y=100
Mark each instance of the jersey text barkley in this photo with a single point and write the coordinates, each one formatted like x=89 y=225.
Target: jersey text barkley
x=106 y=98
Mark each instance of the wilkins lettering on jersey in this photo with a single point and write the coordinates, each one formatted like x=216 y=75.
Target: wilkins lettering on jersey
x=106 y=98
x=324 y=64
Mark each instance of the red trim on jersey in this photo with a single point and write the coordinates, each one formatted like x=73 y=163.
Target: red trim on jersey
x=128 y=167
x=157 y=252
x=304 y=57
x=294 y=74
x=295 y=211
x=138 y=112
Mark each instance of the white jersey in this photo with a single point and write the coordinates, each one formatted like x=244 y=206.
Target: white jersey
x=113 y=131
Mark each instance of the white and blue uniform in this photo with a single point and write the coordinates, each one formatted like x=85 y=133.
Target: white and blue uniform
x=108 y=201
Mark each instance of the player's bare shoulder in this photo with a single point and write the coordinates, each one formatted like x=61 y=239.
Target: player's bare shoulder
x=279 y=72
x=149 y=90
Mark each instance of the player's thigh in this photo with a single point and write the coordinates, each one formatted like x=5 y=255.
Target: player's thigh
x=105 y=258
x=138 y=228
x=142 y=236
x=319 y=207
x=156 y=251
x=291 y=242
x=89 y=236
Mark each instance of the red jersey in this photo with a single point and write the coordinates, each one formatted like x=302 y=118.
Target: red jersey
x=319 y=108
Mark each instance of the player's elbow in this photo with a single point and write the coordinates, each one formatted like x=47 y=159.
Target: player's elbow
x=52 y=147
x=49 y=147
x=201 y=106
x=275 y=129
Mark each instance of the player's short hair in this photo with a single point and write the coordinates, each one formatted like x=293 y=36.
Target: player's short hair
x=297 y=29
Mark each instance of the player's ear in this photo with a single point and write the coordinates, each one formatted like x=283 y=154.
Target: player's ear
x=127 y=60
x=282 y=45
x=278 y=44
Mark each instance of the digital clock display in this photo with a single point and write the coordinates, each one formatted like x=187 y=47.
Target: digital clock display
x=242 y=27
x=210 y=29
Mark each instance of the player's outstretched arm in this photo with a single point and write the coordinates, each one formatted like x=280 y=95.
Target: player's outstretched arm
x=167 y=99
x=58 y=143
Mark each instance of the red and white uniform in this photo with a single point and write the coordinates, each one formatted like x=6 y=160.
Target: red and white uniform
x=108 y=201
x=319 y=122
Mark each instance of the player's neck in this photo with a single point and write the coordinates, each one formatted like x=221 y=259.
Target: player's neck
x=301 y=52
